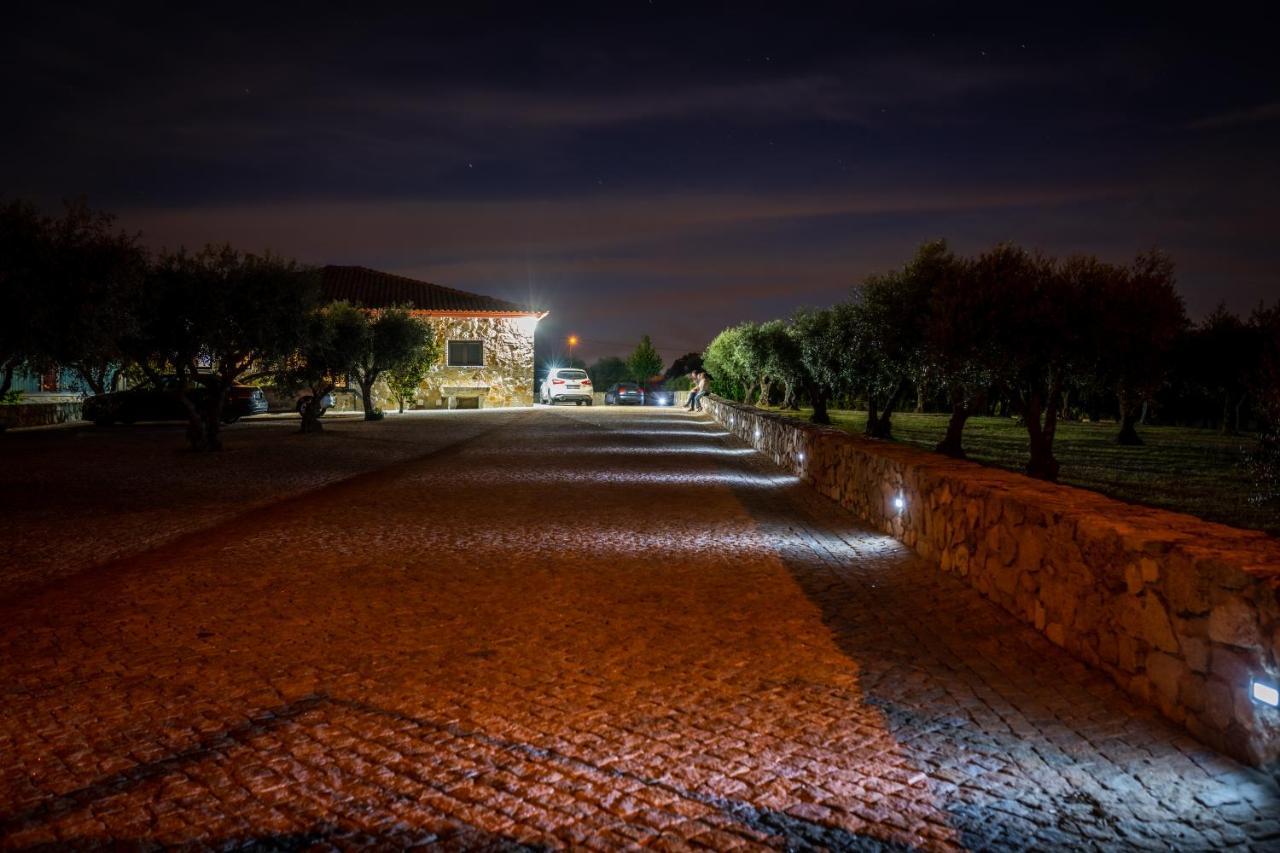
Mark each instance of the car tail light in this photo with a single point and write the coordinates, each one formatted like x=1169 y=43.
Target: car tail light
x=557 y=381
x=586 y=382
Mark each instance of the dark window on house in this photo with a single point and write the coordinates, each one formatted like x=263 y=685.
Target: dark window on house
x=466 y=354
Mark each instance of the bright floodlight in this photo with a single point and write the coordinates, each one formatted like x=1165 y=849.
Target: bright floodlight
x=899 y=503
x=800 y=456
x=1263 y=693
x=757 y=432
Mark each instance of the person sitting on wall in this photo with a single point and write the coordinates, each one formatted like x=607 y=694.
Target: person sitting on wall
x=692 y=403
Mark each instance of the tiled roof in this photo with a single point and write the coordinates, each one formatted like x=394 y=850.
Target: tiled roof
x=373 y=289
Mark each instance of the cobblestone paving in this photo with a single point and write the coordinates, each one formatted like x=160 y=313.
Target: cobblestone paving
x=52 y=482
x=585 y=628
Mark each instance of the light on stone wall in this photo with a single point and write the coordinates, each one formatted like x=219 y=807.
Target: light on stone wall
x=1263 y=693
x=899 y=502
x=800 y=456
x=527 y=325
x=757 y=433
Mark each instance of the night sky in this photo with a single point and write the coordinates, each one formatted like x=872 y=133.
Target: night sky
x=659 y=167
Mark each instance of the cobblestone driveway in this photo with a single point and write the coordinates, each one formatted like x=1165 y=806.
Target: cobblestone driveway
x=585 y=628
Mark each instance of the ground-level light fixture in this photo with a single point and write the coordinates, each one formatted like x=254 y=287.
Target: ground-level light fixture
x=1263 y=693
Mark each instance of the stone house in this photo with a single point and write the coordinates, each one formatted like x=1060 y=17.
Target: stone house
x=486 y=357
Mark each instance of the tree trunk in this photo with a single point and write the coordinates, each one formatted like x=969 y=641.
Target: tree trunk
x=952 y=443
x=1239 y=406
x=920 y=398
x=1128 y=421
x=1128 y=430
x=1042 y=465
x=766 y=388
x=366 y=395
x=1225 y=429
x=881 y=425
x=818 y=399
x=789 y=396
x=400 y=401
x=311 y=411
x=872 y=416
x=6 y=378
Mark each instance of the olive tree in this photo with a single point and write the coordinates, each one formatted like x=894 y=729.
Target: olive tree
x=335 y=337
x=893 y=310
x=782 y=363
x=962 y=327
x=826 y=338
x=1045 y=339
x=395 y=338
x=204 y=320
x=26 y=314
x=721 y=360
x=92 y=271
x=1141 y=317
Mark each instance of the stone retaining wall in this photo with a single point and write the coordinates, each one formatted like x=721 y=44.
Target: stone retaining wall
x=1180 y=612
x=39 y=414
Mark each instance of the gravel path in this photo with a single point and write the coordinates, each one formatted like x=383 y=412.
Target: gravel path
x=580 y=628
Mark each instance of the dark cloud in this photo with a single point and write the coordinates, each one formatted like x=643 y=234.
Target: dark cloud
x=655 y=167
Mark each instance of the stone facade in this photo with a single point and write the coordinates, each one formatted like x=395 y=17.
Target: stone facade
x=1180 y=612
x=506 y=379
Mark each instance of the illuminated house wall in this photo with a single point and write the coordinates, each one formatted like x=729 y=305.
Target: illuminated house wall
x=486 y=344
x=503 y=378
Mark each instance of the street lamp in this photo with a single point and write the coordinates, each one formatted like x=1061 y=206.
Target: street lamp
x=573 y=342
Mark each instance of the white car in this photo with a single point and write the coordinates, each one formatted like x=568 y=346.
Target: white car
x=566 y=385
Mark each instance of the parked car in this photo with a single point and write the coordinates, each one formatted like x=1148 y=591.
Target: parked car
x=659 y=397
x=326 y=403
x=624 y=393
x=566 y=385
x=159 y=404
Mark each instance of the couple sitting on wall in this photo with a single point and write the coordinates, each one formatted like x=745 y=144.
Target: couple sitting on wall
x=701 y=385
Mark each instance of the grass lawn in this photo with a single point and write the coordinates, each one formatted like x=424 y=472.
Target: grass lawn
x=1188 y=470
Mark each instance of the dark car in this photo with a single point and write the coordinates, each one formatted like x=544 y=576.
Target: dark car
x=624 y=393
x=659 y=397
x=160 y=404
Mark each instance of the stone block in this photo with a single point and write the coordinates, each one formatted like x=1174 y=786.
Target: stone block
x=1156 y=628
x=1195 y=651
x=1232 y=666
x=1165 y=672
x=1030 y=548
x=1054 y=631
x=1218 y=704
x=1128 y=653
x=1187 y=592
x=1107 y=648
x=1234 y=622
x=1133 y=578
x=1150 y=569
